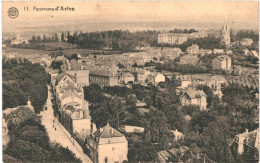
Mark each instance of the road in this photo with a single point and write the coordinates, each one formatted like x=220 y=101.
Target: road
x=60 y=135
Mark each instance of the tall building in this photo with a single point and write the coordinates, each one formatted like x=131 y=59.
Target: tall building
x=179 y=38
x=225 y=35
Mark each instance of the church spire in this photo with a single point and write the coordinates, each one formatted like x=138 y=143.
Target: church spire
x=29 y=102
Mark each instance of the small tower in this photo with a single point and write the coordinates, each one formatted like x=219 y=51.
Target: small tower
x=29 y=102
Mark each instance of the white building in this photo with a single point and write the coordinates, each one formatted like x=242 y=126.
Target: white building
x=222 y=62
x=177 y=135
x=107 y=145
x=246 y=41
x=196 y=98
x=155 y=78
x=133 y=129
x=193 y=49
x=218 y=51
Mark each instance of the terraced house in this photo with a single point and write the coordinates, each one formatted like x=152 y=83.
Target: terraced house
x=73 y=109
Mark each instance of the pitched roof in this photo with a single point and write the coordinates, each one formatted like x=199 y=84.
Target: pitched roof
x=107 y=134
x=223 y=57
x=70 y=87
x=70 y=94
x=75 y=65
x=101 y=72
x=59 y=77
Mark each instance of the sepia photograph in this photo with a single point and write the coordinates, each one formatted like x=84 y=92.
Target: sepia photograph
x=130 y=81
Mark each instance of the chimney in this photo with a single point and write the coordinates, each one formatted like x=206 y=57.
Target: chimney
x=69 y=68
x=81 y=114
x=111 y=130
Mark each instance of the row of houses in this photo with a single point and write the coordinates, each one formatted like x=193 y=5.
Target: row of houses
x=103 y=145
x=190 y=95
x=86 y=74
x=72 y=107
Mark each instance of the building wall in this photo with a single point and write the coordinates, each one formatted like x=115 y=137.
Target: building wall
x=113 y=152
x=218 y=64
x=82 y=76
x=185 y=83
x=203 y=104
x=129 y=79
x=102 y=81
x=69 y=99
x=185 y=101
x=228 y=64
x=92 y=146
x=194 y=101
x=113 y=81
x=81 y=124
x=159 y=78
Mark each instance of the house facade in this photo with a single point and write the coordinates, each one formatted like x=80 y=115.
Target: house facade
x=189 y=59
x=197 y=98
x=127 y=77
x=107 y=145
x=103 y=78
x=155 y=78
x=193 y=49
x=222 y=62
x=73 y=109
x=81 y=76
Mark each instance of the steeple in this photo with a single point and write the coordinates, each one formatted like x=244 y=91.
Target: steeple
x=29 y=102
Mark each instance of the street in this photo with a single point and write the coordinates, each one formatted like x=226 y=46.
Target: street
x=60 y=135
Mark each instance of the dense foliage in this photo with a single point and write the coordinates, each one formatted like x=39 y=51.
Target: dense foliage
x=206 y=135
x=56 y=64
x=176 y=30
x=243 y=34
x=117 y=40
x=39 y=39
x=29 y=141
x=22 y=79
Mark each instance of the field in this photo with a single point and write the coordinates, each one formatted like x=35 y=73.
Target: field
x=24 y=51
x=85 y=52
x=63 y=45
x=67 y=52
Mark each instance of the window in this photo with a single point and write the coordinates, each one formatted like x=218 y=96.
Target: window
x=106 y=160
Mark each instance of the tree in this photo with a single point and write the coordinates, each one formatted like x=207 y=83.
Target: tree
x=56 y=38
x=131 y=100
x=62 y=37
x=29 y=141
x=22 y=75
x=56 y=64
x=235 y=90
x=200 y=120
x=157 y=128
x=142 y=151
x=215 y=140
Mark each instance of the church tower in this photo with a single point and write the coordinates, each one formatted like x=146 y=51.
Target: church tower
x=225 y=35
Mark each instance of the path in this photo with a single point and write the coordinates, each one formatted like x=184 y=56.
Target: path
x=60 y=135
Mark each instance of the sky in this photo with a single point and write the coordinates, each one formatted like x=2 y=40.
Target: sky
x=240 y=13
